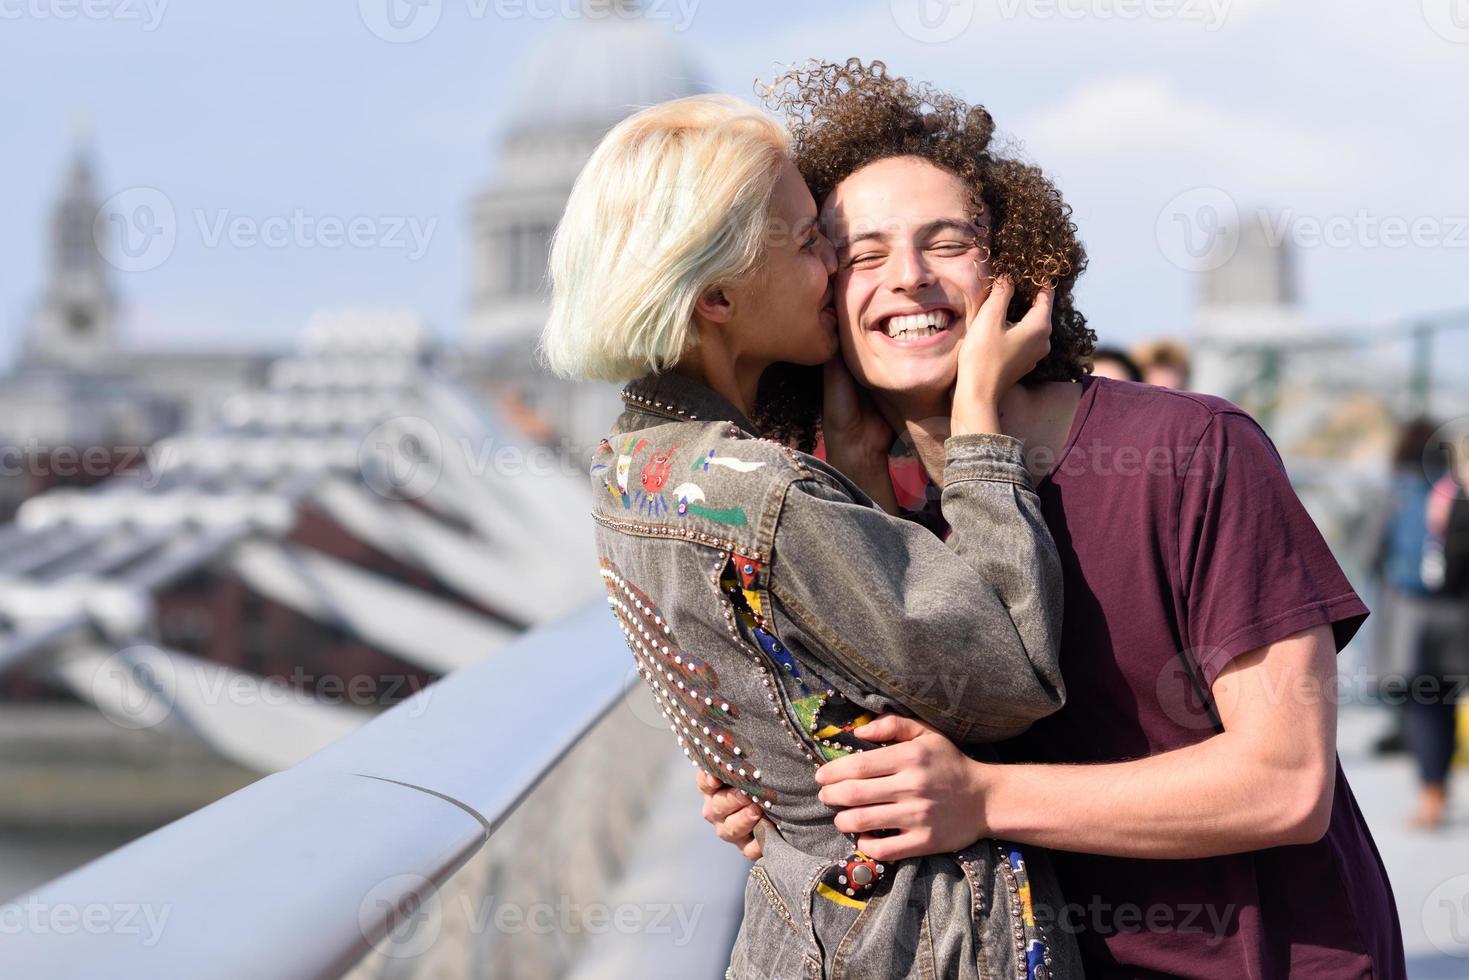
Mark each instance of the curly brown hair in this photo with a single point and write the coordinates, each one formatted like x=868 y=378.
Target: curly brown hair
x=843 y=117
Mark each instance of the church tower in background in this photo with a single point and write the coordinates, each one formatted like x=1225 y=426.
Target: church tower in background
x=75 y=326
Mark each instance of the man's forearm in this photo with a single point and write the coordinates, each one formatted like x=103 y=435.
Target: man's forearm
x=1220 y=796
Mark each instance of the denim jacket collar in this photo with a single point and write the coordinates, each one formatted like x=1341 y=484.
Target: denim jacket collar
x=674 y=396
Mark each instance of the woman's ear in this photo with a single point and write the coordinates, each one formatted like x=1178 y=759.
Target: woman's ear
x=714 y=305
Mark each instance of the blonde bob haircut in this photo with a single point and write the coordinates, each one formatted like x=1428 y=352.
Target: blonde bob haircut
x=674 y=200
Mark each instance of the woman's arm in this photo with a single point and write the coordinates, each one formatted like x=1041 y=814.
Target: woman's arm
x=964 y=637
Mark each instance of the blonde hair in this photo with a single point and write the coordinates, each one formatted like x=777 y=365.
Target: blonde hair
x=674 y=200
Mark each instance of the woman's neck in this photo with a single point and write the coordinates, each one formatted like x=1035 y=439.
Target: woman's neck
x=714 y=365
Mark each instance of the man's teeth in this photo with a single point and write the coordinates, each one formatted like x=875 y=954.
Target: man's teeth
x=919 y=324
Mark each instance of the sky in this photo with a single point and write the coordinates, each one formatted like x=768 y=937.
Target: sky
x=357 y=132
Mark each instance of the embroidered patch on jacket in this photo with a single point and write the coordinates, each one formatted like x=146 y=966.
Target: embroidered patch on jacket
x=824 y=713
x=655 y=474
x=829 y=718
x=1035 y=951
x=740 y=583
x=712 y=458
x=651 y=495
x=851 y=882
x=686 y=688
x=649 y=504
x=624 y=461
x=619 y=495
x=732 y=516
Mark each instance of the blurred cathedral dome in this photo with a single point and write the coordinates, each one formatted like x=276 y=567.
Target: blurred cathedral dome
x=605 y=64
x=588 y=74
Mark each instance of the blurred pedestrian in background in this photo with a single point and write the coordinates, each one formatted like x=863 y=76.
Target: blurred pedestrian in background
x=1422 y=649
x=1444 y=651
x=1399 y=562
x=1115 y=363
x=1164 y=363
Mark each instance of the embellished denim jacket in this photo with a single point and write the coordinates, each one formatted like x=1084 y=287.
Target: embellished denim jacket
x=771 y=608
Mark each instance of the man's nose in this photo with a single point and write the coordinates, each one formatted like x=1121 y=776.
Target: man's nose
x=828 y=256
x=909 y=271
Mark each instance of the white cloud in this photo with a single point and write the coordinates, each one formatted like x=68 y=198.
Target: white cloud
x=1147 y=127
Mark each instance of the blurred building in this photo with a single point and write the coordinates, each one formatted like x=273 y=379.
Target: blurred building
x=570 y=91
x=243 y=515
x=80 y=387
x=1245 y=308
x=1331 y=394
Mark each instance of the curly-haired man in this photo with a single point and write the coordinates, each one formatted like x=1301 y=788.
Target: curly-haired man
x=1200 y=820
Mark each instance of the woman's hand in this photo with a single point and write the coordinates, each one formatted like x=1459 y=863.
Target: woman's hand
x=858 y=438
x=995 y=354
x=921 y=786
x=734 y=817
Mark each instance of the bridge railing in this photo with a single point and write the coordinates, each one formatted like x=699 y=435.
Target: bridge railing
x=330 y=868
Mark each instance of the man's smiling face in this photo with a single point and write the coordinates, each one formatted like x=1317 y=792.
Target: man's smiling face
x=910 y=273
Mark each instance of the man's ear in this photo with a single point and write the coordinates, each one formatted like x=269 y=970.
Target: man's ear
x=714 y=305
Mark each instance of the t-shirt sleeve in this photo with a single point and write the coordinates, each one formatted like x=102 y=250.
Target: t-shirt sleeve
x=1253 y=564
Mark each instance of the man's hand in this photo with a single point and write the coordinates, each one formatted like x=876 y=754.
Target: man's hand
x=921 y=786
x=734 y=817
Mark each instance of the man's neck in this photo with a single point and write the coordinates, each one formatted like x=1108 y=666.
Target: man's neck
x=922 y=420
x=1040 y=416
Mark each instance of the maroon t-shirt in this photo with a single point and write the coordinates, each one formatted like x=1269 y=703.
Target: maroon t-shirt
x=1184 y=546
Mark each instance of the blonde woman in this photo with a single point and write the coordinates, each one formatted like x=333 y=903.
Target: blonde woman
x=770 y=604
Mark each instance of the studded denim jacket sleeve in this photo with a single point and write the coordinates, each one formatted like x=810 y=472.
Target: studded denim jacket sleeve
x=963 y=635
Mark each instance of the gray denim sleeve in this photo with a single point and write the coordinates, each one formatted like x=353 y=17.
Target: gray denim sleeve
x=964 y=636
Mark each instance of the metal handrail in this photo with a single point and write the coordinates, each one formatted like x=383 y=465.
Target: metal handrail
x=299 y=874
